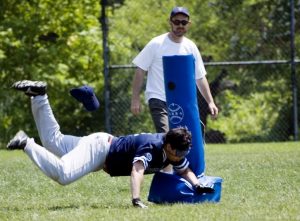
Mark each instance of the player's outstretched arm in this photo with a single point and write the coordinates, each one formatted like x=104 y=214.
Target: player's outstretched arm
x=136 y=180
x=189 y=175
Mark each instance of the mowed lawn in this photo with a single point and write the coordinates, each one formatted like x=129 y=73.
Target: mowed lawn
x=261 y=182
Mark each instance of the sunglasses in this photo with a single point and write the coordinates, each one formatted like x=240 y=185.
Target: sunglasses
x=182 y=153
x=178 y=22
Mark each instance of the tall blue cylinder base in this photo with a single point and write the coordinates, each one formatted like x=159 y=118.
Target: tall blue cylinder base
x=179 y=77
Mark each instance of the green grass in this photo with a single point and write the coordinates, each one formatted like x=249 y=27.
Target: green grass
x=261 y=182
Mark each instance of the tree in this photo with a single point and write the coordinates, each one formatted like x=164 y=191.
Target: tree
x=224 y=30
x=55 y=41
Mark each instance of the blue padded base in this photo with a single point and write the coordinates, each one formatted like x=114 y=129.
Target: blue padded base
x=178 y=190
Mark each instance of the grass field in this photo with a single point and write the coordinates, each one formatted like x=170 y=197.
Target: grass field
x=261 y=182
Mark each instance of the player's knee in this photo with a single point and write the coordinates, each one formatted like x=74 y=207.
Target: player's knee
x=64 y=176
x=52 y=140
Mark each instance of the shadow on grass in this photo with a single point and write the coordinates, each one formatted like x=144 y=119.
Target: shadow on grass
x=52 y=208
x=57 y=208
x=63 y=207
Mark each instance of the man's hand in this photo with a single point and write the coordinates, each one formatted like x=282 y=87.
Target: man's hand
x=138 y=203
x=136 y=107
x=213 y=110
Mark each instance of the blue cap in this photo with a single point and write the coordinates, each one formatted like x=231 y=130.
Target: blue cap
x=86 y=96
x=179 y=10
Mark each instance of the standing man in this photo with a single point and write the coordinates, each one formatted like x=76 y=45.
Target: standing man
x=150 y=60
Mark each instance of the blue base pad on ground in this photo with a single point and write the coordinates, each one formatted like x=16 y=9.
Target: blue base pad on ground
x=178 y=190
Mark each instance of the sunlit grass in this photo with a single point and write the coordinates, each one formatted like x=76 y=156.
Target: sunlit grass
x=261 y=182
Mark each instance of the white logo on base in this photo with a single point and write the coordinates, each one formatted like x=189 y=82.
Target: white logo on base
x=176 y=113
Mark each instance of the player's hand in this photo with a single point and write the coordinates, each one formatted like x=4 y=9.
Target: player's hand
x=138 y=203
x=200 y=189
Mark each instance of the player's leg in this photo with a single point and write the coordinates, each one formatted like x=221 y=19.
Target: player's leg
x=88 y=156
x=159 y=113
x=48 y=128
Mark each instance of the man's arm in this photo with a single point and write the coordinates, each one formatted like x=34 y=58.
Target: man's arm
x=137 y=85
x=136 y=180
x=204 y=89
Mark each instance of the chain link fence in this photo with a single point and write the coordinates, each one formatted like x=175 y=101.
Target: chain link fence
x=251 y=109
x=253 y=87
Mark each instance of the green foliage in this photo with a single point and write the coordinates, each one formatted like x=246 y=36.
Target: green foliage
x=59 y=42
x=250 y=119
x=123 y=121
x=225 y=30
x=259 y=110
x=261 y=182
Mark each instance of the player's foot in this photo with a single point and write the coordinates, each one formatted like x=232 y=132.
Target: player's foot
x=18 y=142
x=31 y=88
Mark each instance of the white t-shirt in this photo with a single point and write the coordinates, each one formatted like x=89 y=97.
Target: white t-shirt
x=150 y=60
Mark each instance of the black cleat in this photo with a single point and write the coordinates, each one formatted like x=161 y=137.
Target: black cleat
x=31 y=88
x=18 y=142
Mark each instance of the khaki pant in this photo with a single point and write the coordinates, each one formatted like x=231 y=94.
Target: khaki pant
x=159 y=113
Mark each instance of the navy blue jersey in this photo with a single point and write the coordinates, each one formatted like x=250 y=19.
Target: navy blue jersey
x=148 y=148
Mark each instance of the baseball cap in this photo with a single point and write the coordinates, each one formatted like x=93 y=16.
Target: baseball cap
x=179 y=10
x=85 y=95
